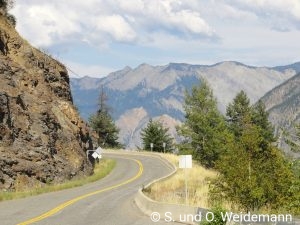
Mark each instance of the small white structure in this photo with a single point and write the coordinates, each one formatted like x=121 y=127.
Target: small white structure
x=99 y=150
x=97 y=154
x=185 y=162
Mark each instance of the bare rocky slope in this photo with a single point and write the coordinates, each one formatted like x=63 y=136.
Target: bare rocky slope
x=42 y=137
x=145 y=92
x=283 y=105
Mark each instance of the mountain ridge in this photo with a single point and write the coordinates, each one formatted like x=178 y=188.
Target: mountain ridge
x=159 y=90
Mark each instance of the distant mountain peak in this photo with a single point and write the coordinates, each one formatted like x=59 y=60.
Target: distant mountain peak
x=232 y=63
x=178 y=66
x=159 y=90
x=295 y=66
x=127 y=68
x=143 y=66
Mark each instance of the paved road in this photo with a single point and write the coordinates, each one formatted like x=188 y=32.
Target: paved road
x=111 y=200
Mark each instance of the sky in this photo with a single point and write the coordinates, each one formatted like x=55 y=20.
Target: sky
x=96 y=37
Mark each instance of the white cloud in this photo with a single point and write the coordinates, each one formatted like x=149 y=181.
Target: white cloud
x=160 y=31
x=282 y=15
x=81 y=70
x=116 y=26
x=169 y=16
x=43 y=23
x=101 y=22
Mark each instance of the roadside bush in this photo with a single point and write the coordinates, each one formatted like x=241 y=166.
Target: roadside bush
x=216 y=217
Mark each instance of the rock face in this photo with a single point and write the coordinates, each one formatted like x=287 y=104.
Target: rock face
x=42 y=137
x=145 y=92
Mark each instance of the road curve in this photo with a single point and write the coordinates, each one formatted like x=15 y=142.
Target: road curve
x=109 y=201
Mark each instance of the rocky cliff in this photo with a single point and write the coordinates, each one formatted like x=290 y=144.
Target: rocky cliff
x=42 y=137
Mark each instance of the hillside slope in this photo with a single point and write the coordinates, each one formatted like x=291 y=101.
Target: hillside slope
x=41 y=133
x=145 y=92
x=283 y=104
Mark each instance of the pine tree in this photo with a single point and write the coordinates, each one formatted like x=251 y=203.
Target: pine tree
x=266 y=183
x=253 y=173
x=237 y=111
x=103 y=124
x=240 y=114
x=204 y=129
x=260 y=117
x=156 y=134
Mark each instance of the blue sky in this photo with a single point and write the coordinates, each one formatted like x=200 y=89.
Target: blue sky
x=96 y=37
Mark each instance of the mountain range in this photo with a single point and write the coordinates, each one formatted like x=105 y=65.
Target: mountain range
x=138 y=94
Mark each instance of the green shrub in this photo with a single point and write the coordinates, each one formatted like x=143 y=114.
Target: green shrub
x=217 y=213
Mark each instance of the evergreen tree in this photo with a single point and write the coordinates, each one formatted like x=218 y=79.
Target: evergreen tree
x=156 y=134
x=103 y=124
x=240 y=113
x=260 y=117
x=237 y=111
x=204 y=129
x=253 y=173
x=266 y=183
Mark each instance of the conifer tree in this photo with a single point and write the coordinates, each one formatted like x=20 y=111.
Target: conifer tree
x=156 y=134
x=103 y=124
x=260 y=117
x=253 y=173
x=237 y=111
x=204 y=130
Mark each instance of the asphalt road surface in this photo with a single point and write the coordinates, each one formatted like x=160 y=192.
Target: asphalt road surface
x=109 y=201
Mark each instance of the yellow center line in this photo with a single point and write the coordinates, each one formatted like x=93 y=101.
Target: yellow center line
x=72 y=201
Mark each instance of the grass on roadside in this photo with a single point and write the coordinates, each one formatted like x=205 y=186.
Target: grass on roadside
x=101 y=170
x=172 y=190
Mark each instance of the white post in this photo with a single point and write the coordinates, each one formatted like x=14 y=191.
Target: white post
x=186 y=188
x=185 y=162
x=151 y=146
x=87 y=154
x=164 y=145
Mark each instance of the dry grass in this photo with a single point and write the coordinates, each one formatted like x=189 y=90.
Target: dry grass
x=101 y=170
x=172 y=190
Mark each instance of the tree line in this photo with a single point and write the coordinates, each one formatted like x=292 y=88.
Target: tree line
x=253 y=174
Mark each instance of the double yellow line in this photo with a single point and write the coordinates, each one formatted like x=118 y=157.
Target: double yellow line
x=72 y=201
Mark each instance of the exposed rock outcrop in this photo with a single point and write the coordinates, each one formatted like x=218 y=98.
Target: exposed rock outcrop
x=42 y=137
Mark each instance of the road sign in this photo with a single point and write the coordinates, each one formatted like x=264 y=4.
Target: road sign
x=99 y=150
x=185 y=161
x=96 y=155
